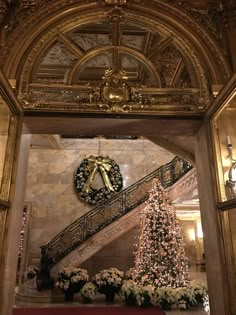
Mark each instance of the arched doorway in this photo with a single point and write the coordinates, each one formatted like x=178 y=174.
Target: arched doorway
x=165 y=53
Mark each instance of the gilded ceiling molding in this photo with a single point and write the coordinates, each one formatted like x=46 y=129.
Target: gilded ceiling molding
x=36 y=23
x=188 y=51
x=49 y=37
x=3 y=11
x=116 y=2
x=49 y=15
x=96 y=51
x=205 y=97
x=191 y=44
x=198 y=37
x=228 y=11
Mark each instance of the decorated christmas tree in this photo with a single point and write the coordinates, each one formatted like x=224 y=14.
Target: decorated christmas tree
x=160 y=259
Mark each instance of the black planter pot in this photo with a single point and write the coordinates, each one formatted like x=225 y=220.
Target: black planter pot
x=109 y=297
x=69 y=295
x=86 y=300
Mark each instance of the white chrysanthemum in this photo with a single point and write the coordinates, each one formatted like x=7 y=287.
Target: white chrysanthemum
x=89 y=290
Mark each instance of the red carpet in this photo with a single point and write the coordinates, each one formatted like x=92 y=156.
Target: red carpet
x=119 y=310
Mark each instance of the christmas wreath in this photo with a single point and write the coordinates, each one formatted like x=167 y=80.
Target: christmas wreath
x=110 y=173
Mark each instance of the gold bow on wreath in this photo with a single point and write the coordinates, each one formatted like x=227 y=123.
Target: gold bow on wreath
x=101 y=164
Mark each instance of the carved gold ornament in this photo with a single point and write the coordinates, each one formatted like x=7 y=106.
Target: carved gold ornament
x=115 y=90
x=85 y=174
x=63 y=69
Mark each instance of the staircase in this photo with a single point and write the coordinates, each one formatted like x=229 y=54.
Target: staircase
x=110 y=213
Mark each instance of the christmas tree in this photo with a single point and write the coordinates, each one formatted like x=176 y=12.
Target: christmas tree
x=160 y=260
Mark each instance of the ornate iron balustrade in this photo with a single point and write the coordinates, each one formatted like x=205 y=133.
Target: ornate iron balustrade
x=109 y=211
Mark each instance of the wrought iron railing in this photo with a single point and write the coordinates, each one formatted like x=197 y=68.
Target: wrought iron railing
x=109 y=211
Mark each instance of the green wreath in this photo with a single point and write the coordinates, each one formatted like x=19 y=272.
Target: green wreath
x=110 y=173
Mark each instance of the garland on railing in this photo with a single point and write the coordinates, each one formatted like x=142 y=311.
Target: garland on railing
x=123 y=202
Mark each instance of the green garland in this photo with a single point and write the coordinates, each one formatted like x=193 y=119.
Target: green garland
x=110 y=173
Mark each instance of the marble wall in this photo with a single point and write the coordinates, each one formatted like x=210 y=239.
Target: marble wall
x=120 y=252
x=50 y=189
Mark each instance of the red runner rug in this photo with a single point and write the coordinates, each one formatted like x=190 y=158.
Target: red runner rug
x=89 y=310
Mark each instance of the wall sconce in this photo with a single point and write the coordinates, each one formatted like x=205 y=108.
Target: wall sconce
x=199 y=230
x=231 y=182
x=192 y=235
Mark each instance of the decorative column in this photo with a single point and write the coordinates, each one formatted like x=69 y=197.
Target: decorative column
x=216 y=274
x=11 y=247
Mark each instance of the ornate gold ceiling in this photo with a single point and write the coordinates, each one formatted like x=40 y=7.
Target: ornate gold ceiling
x=115 y=56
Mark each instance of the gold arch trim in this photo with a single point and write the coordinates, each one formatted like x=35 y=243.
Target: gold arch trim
x=195 y=43
x=26 y=34
x=129 y=51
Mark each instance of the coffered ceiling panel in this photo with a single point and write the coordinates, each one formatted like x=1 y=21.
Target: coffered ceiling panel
x=117 y=57
x=58 y=54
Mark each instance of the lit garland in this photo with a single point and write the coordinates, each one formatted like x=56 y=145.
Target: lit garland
x=22 y=234
x=84 y=176
x=160 y=259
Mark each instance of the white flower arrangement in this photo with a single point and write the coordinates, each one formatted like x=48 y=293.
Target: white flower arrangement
x=144 y=295
x=182 y=298
x=72 y=278
x=109 y=280
x=129 y=274
x=165 y=297
x=88 y=291
x=185 y=297
x=199 y=291
x=32 y=272
x=128 y=292
x=206 y=304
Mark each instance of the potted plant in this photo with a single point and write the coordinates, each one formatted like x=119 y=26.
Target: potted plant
x=88 y=292
x=29 y=277
x=31 y=272
x=144 y=295
x=185 y=298
x=109 y=282
x=128 y=292
x=199 y=291
x=71 y=280
x=168 y=298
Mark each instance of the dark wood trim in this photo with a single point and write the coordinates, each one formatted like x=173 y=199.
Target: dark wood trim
x=8 y=95
x=4 y=204
x=222 y=98
x=227 y=205
x=155 y=116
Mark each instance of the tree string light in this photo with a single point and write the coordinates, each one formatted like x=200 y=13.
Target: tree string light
x=160 y=259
